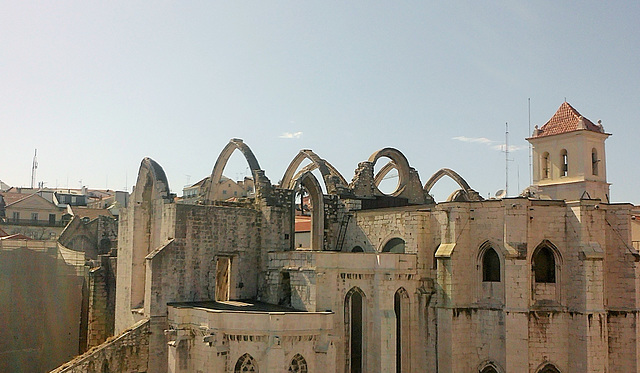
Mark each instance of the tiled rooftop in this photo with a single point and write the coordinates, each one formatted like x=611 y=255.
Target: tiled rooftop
x=566 y=119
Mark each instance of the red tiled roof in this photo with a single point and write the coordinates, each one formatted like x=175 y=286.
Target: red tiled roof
x=85 y=212
x=303 y=224
x=566 y=119
x=12 y=197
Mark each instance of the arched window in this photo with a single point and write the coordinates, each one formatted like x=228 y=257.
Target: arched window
x=401 y=309
x=564 y=158
x=394 y=245
x=489 y=369
x=549 y=368
x=354 y=302
x=544 y=265
x=357 y=249
x=594 y=161
x=490 y=266
x=298 y=365
x=246 y=363
x=545 y=166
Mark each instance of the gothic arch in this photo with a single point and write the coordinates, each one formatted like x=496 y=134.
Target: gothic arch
x=489 y=366
x=498 y=262
x=150 y=194
x=355 y=330
x=398 y=161
x=221 y=163
x=311 y=184
x=547 y=367
x=151 y=179
x=545 y=263
x=246 y=363
x=298 y=365
x=401 y=307
x=332 y=178
x=468 y=193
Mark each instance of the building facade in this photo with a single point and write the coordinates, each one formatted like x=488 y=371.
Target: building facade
x=544 y=282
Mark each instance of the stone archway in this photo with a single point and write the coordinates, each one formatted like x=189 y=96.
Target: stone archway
x=309 y=182
x=332 y=178
x=221 y=163
x=465 y=193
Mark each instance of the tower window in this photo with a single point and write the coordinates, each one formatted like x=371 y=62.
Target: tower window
x=545 y=165
x=594 y=162
x=565 y=163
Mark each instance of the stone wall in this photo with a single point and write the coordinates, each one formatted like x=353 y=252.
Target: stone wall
x=128 y=352
x=102 y=299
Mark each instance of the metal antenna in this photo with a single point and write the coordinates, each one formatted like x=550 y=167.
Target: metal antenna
x=530 y=149
x=34 y=167
x=506 y=159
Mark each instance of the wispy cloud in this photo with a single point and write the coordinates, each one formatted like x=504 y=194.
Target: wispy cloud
x=291 y=135
x=482 y=140
x=494 y=145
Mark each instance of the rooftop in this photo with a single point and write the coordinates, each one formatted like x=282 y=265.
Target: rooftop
x=566 y=119
x=235 y=305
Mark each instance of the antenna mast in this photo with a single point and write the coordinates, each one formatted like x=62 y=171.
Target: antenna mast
x=33 y=169
x=530 y=148
x=506 y=159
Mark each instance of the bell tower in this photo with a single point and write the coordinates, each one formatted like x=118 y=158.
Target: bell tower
x=569 y=157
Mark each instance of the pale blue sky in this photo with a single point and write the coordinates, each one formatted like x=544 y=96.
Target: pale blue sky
x=95 y=87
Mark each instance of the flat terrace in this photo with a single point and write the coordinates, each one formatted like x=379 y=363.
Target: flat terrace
x=234 y=306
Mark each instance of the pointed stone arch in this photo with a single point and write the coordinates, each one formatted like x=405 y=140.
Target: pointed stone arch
x=466 y=193
x=309 y=182
x=150 y=195
x=221 y=163
x=151 y=179
x=332 y=178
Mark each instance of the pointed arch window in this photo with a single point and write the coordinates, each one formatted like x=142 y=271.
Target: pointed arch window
x=401 y=309
x=489 y=369
x=549 y=368
x=354 y=302
x=594 y=162
x=298 y=365
x=490 y=266
x=246 y=363
x=544 y=265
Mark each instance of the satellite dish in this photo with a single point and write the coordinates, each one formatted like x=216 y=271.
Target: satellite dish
x=501 y=193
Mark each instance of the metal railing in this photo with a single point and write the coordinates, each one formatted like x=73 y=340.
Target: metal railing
x=33 y=223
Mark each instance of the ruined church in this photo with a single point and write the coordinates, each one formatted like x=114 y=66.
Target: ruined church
x=545 y=282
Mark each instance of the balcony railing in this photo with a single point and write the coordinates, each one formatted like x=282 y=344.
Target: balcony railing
x=33 y=223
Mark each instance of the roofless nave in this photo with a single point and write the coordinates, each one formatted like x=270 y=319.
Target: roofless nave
x=545 y=282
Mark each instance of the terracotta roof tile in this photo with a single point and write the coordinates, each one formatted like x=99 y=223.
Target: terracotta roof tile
x=85 y=212
x=12 y=197
x=566 y=119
